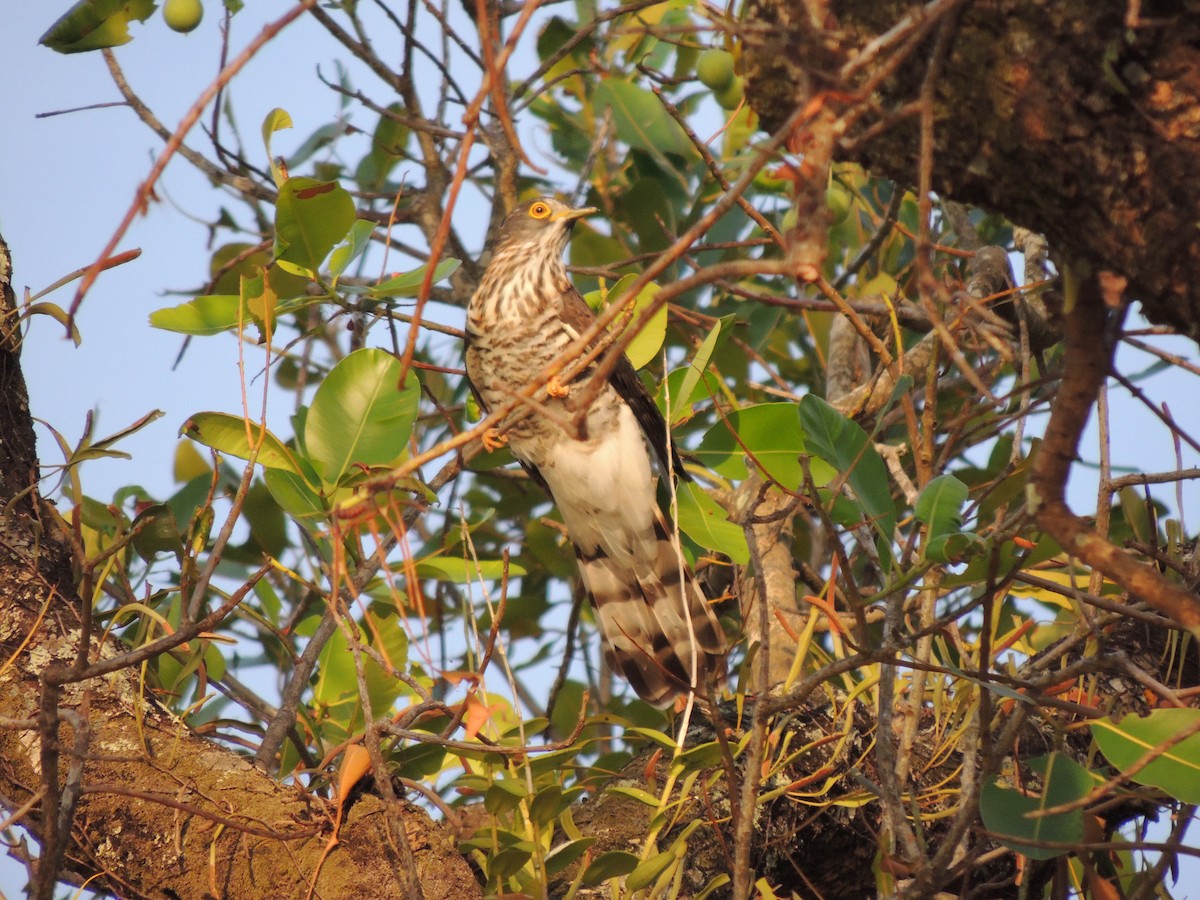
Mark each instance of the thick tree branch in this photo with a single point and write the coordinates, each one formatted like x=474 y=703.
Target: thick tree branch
x=1088 y=355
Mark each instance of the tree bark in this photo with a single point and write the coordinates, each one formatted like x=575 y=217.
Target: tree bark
x=1075 y=118
x=160 y=812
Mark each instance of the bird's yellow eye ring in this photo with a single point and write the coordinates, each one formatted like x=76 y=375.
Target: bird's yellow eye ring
x=539 y=210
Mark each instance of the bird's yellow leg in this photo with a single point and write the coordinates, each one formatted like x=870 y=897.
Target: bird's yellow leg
x=493 y=439
x=556 y=388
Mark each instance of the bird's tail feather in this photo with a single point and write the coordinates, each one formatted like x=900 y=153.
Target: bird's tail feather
x=659 y=629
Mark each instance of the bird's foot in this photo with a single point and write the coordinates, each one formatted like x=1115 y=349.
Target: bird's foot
x=557 y=389
x=493 y=439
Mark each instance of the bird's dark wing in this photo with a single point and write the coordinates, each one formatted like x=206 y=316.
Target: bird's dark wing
x=579 y=316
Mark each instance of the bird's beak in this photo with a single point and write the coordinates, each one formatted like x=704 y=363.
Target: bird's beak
x=570 y=215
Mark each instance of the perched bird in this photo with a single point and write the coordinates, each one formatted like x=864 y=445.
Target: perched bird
x=659 y=631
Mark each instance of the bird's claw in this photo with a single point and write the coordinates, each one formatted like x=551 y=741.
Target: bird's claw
x=556 y=388
x=492 y=439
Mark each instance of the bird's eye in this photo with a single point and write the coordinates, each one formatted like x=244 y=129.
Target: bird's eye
x=539 y=210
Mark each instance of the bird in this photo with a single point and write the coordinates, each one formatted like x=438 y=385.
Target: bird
x=658 y=627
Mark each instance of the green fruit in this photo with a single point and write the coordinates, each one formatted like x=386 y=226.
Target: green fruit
x=731 y=95
x=715 y=69
x=839 y=201
x=183 y=15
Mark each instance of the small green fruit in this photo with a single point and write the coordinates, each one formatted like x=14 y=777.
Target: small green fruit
x=183 y=15
x=839 y=201
x=715 y=69
x=731 y=95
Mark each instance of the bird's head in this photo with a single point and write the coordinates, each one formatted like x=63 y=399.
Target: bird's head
x=542 y=225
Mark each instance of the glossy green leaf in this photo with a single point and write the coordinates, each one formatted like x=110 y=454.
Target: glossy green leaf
x=358 y=238
x=640 y=119
x=771 y=432
x=233 y=435
x=390 y=640
x=844 y=445
x=1177 y=770
x=297 y=498
x=336 y=686
x=703 y=389
x=612 y=864
x=311 y=217
x=409 y=283
x=95 y=24
x=216 y=313
x=360 y=414
x=1006 y=811
x=681 y=401
x=645 y=346
x=703 y=520
x=202 y=316
x=463 y=571
x=940 y=505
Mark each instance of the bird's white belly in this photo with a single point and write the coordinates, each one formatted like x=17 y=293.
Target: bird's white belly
x=603 y=486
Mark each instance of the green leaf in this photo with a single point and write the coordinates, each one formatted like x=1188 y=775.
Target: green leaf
x=612 y=864
x=509 y=861
x=276 y=120
x=337 y=684
x=648 y=871
x=546 y=805
x=641 y=120
x=636 y=793
x=564 y=854
x=702 y=389
x=215 y=313
x=844 y=445
x=464 y=571
x=157 y=532
x=409 y=284
x=390 y=640
x=203 y=316
x=296 y=497
x=310 y=218
x=771 y=432
x=95 y=24
x=681 y=401
x=360 y=414
x=643 y=348
x=233 y=435
x=1005 y=811
x=357 y=241
x=940 y=505
x=1176 y=771
x=703 y=520
x=653 y=735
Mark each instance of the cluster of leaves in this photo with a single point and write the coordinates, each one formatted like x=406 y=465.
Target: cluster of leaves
x=737 y=365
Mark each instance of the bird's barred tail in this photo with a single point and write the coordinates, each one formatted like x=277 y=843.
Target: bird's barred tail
x=659 y=630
